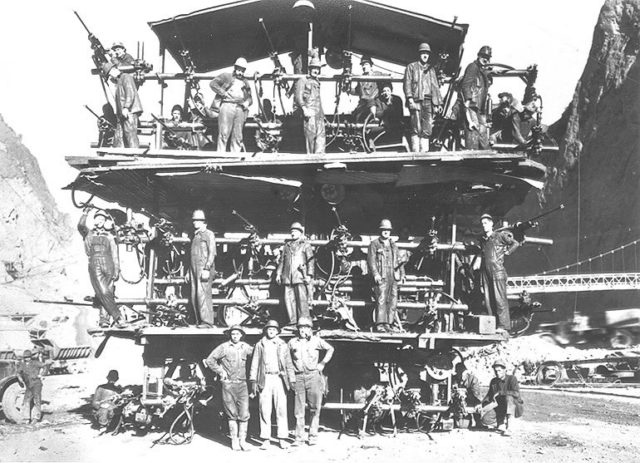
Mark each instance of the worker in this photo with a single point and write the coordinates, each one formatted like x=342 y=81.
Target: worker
x=202 y=270
x=30 y=372
x=367 y=90
x=500 y=113
x=307 y=99
x=518 y=125
x=271 y=377
x=309 y=388
x=104 y=263
x=128 y=107
x=495 y=245
x=423 y=98
x=388 y=108
x=504 y=390
x=229 y=360
x=295 y=272
x=103 y=402
x=234 y=93
x=475 y=95
x=120 y=57
x=470 y=383
x=386 y=270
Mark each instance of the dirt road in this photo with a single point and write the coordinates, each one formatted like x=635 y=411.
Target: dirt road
x=556 y=427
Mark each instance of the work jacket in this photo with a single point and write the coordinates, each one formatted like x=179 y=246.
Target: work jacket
x=99 y=244
x=285 y=366
x=220 y=84
x=127 y=95
x=203 y=250
x=494 y=248
x=382 y=260
x=231 y=359
x=475 y=86
x=106 y=391
x=507 y=387
x=421 y=81
x=307 y=95
x=296 y=262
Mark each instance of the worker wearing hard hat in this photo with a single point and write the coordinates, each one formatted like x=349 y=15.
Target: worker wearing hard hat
x=295 y=272
x=386 y=269
x=474 y=92
x=307 y=99
x=202 y=271
x=120 y=56
x=233 y=94
x=422 y=92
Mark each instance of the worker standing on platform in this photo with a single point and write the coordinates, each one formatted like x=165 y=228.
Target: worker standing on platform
x=272 y=376
x=367 y=90
x=295 y=272
x=104 y=263
x=305 y=354
x=203 y=253
x=307 y=98
x=234 y=93
x=495 y=245
x=386 y=269
x=422 y=92
x=230 y=360
x=474 y=92
x=128 y=107
x=120 y=55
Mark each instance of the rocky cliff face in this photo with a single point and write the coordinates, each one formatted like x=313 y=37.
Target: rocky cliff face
x=597 y=172
x=35 y=235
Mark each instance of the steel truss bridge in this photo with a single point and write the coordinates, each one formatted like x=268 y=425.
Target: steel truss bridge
x=539 y=284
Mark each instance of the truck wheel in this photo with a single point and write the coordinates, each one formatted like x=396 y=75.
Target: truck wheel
x=12 y=402
x=621 y=339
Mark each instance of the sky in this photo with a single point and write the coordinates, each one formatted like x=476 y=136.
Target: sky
x=46 y=59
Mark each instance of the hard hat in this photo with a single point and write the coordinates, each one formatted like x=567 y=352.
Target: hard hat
x=385 y=224
x=499 y=363
x=305 y=321
x=297 y=226
x=485 y=51
x=241 y=63
x=236 y=328
x=118 y=45
x=424 y=46
x=272 y=324
x=315 y=63
x=366 y=59
x=176 y=107
x=101 y=213
x=486 y=216
x=113 y=375
x=26 y=354
x=198 y=214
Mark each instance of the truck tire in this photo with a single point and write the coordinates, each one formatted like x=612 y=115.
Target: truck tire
x=12 y=399
x=621 y=339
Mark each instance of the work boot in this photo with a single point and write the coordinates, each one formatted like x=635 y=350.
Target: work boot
x=424 y=144
x=242 y=435
x=233 y=431
x=415 y=143
x=284 y=444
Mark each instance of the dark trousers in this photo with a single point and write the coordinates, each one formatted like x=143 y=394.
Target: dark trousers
x=386 y=294
x=314 y=133
x=230 y=125
x=422 y=120
x=477 y=138
x=495 y=298
x=101 y=273
x=309 y=391
x=235 y=400
x=33 y=395
x=126 y=134
x=201 y=295
x=296 y=301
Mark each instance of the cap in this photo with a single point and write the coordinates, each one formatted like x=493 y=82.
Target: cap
x=305 y=321
x=297 y=226
x=198 y=214
x=272 y=324
x=102 y=213
x=315 y=63
x=118 y=45
x=27 y=354
x=113 y=375
x=499 y=363
x=485 y=51
x=385 y=224
x=176 y=107
x=241 y=63
x=236 y=328
x=505 y=95
x=366 y=59
x=424 y=46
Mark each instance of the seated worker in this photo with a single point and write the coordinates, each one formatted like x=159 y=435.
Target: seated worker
x=388 y=108
x=470 y=383
x=367 y=91
x=183 y=131
x=502 y=111
x=517 y=126
x=103 y=402
x=504 y=396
